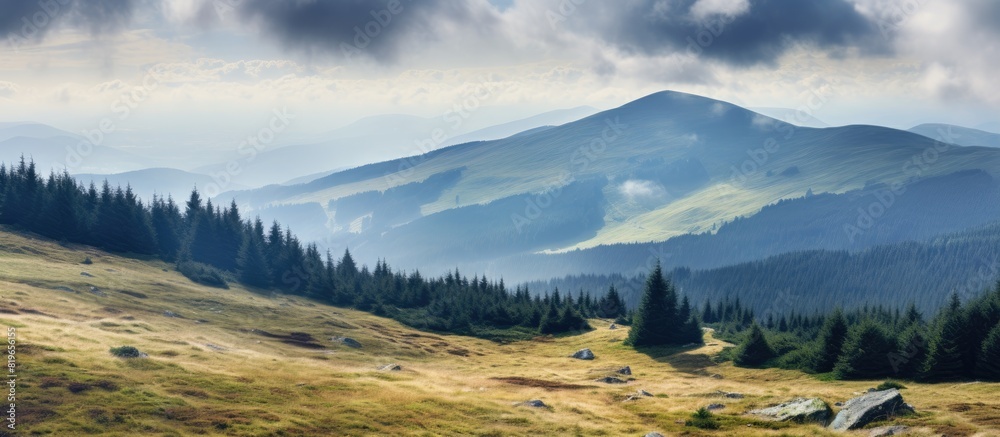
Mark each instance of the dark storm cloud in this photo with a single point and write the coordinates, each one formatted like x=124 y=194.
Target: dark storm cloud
x=376 y=29
x=29 y=21
x=756 y=36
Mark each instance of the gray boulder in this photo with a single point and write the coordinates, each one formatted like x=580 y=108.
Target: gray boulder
x=869 y=407
x=611 y=380
x=713 y=407
x=729 y=394
x=583 y=354
x=613 y=326
x=534 y=403
x=799 y=410
x=624 y=371
x=654 y=434
x=391 y=368
x=347 y=341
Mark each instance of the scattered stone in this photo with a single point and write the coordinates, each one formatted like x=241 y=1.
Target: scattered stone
x=347 y=341
x=97 y=291
x=391 y=368
x=611 y=380
x=583 y=354
x=534 y=403
x=215 y=347
x=653 y=434
x=884 y=431
x=730 y=395
x=86 y=274
x=713 y=407
x=716 y=376
x=867 y=408
x=871 y=390
x=613 y=326
x=639 y=394
x=799 y=410
x=66 y=289
x=624 y=371
x=838 y=404
x=171 y=314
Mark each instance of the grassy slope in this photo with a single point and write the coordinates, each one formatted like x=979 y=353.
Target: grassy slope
x=207 y=373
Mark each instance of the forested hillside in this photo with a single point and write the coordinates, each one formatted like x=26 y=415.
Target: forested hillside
x=213 y=245
x=923 y=272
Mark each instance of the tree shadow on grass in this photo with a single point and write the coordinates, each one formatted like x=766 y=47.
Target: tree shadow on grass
x=684 y=359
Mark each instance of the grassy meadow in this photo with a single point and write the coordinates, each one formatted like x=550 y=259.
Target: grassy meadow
x=251 y=363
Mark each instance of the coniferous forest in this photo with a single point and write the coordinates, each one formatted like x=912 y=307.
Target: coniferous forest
x=214 y=245
x=960 y=342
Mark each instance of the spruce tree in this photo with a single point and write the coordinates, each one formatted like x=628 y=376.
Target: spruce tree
x=755 y=351
x=912 y=353
x=944 y=360
x=988 y=366
x=866 y=353
x=655 y=322
x=831 y=341
x=252 y=265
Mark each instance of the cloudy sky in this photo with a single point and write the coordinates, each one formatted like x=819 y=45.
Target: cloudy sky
x=210 y=68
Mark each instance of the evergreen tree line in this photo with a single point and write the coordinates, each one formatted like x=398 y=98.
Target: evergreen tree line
x=214 y=245
x=961 y=342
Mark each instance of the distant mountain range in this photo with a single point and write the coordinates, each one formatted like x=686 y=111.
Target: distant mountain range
x=664 y=166
x=962 y=136
x=373 y=139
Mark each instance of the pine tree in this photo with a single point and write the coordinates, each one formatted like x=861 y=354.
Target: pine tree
x=253 y=268
x=831 y=341
x=755 y=351
x=912 y=352
x=655 y=322
x=988 y=366
x=866 y=353
x=944 y=360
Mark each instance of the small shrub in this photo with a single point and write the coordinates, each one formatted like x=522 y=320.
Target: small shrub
x=106 y=385
x=77 y=387
x=49 y=381
x=702 y=419
x=87 y=261
x=126 y=352
x=202 y=273
x=890 y=384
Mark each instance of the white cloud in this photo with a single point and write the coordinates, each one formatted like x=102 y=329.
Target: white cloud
x=703 y=9
x=639 y=189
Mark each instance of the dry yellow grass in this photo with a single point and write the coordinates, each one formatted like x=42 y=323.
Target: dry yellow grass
x=212 y=371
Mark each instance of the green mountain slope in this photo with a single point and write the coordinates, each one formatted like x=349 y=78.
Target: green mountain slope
x=673 y=164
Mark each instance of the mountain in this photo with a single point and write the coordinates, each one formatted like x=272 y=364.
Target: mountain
x=962 y=136
x=543 y=120
x=798 y=117
x=70 y=152
x=31 y=130
x=161 y=181
x=663 y=166
x=373 y=139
